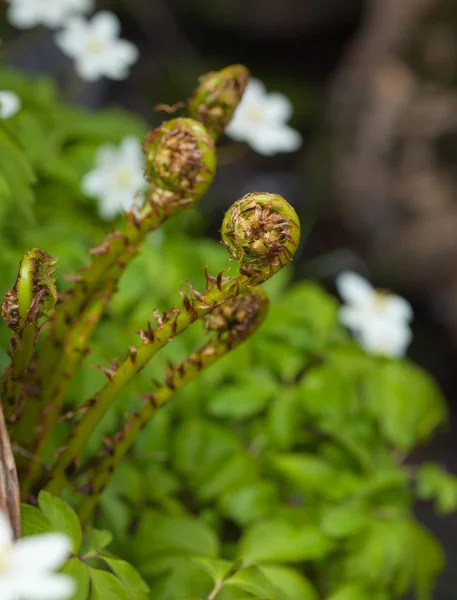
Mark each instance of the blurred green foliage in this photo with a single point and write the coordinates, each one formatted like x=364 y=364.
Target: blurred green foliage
x=280 y=472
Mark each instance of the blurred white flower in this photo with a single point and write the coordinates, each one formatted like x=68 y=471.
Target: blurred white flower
x=27 y=566
x=10 y=104
x=117 y=177
x=260 y=120
x=96 y=47
x=24 y=14
x=379 y=320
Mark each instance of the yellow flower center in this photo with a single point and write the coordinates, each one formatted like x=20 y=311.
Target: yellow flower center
x=123 y=178
x=380 y=300
x=94 y=45
x=256 y=113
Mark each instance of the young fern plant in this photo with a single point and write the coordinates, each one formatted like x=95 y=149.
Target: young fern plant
x=229 y=324
x=180 y=166
x=262 y=232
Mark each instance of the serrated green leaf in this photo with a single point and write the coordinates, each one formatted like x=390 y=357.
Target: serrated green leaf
x=312 y=474
x=96 y=540
x=79 y=572
x=105 y=585
x=252 y=580
x=284 y=419
x=407 y=403
x=251 y=503
x=280 y=541
x=216 y=568
x=129 y=577
x=160 y=534
x=434 y=482
x=62 y=517
x=290 y=582
x=33 y=521
x=344 y=520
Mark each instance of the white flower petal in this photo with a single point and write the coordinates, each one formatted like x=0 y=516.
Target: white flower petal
x=22 y=18
x=278 y=108
x=354 y=289
x=238 y=127
x=93 y=183
x=389 y=340
x=10 y=104
x=132 y=152
x=271 y=140
x=398 y=308
x=71 y=39
x=50 y=13
x=8 y=587
x=255 y=92
x=6 y=531
x=44 y=552
x=352 y=317
x=32 y=586
x=105 y=24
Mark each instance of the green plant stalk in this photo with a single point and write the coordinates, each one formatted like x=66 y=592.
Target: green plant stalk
x=234 y=321
x=175 y=322
x=64 y=347
x=249 y=225
x=74 y=349
x=121 y=443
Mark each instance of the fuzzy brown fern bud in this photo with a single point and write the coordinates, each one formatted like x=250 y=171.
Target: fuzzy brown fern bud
x=217 y=97
x=262 y=232
x=180 y=159
x=235 y=320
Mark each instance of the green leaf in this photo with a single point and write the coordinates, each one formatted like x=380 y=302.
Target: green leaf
x=33 y=521
x=397 y=553
x=62 y=517
x=96 y=540
x=78 y=571
x=252 y=580
x=251 y=503
x=407 y=403
x=16 y=172
x=344 y=520
x=435 y=483
x=327 y=393
x=200 y=448
x=290 y=582
x=280 y=541
x=235 y=473
x=217 y=569
x=129 y=576
x=159 y=534
x=284 y=419
x=104 y=585
x=242 y=402
x=311 y=474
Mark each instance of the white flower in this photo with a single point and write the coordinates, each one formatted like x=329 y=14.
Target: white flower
x=117 y=177
x=27 y=566
x=10 y=104
x=260 y=120
x=24 y=14
x=96 y=47
x=379 y=320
